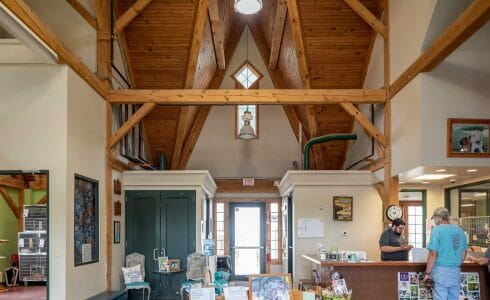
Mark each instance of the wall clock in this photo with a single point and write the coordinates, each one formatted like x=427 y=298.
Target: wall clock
x=394 y=212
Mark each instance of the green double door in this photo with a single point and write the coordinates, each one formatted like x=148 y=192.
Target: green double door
x=159 y=222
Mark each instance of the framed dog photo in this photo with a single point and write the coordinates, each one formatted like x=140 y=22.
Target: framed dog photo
x=174 y=264
x=468 y=137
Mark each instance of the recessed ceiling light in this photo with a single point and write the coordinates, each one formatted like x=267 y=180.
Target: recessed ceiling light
x=434 y=176
x=402 y=182
x=441 y=170
x=425 y=182
x=465 y=205
x=471 y=170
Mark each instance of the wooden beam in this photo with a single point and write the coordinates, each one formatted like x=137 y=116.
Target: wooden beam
x=393 y=196
x=193 y=136
x=260 y=96
x=468 y=22
x=294 y=21
x=179 y=138
x=130 y=123
x=374 y=165
x=103 y=12
x=195 y=47
x=219 y=48
x=10 y=202
x=238 y=26
x=43 y=200
x=129 y=15
x=277 y=32
x=365 y=123
x=236 y=186
x=118 y=165
x=82 y=11
x=20 y=9
x=108 y=194
x=190 y=74
x=20 y=209
x=203 y=112
x=380 y=189
x=368 y=17
x=12 y=183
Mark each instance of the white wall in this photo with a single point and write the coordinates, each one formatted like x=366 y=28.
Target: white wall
x=33 y=126
x=70 y=27
x=312 y=198
x=463 y=93
x=86 y=157
x=217 y=150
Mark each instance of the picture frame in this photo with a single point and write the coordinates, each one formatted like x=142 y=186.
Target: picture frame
x=117 y=232
x=269 y=286
x=86 y=220
x=468 y=137
x=342 y=208
x=163 y=263
x=174 y=264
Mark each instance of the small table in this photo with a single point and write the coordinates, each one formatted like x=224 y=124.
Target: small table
x=166 y=292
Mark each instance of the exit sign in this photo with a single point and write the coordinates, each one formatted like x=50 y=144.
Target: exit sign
x=248 y=182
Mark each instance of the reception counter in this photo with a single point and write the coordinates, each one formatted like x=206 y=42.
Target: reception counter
x=379 y=280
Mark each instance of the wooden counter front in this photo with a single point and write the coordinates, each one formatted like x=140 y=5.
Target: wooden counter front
x=379 y=280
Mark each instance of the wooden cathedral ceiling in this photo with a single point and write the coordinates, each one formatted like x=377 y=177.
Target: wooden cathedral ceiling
x=336 y=41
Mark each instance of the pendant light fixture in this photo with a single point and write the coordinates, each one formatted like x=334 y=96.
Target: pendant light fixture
x=248 y=7
x=247 y=132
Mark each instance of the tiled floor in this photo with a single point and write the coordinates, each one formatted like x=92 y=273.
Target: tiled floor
x=24 y=292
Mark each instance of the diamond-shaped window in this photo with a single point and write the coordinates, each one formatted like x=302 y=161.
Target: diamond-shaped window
x=247 y=75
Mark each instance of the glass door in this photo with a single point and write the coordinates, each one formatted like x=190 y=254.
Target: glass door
x=247 y=239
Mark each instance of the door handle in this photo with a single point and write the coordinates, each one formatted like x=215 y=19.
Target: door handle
x=154 y=254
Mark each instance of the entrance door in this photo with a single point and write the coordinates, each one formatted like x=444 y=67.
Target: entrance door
x=247 y=239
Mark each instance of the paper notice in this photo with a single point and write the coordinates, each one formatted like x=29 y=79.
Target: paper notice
x=202 y=294
x=235 y=293
x=41 y=243
x=86 y=253
x=21 y=243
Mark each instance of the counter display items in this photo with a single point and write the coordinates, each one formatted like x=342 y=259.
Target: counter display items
x=411 y=286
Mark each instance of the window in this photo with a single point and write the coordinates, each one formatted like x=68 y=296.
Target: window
x=274 y=231
x=220 y=229
x=239 y=111
x=247 y=76
x=415 y=226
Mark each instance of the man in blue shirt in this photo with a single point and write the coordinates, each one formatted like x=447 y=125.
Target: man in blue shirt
x=447 y=247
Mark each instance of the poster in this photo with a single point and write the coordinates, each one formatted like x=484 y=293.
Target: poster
x=411 y=286
x=86 y=226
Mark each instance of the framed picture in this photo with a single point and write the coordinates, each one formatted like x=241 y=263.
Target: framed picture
x=269 y=286
x=174 y=264
x=86 y=220
x=468 y=137
x=342 y=208
x=163 y=263
x=117 y=232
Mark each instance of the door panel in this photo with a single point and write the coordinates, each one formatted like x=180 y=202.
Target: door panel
x=247 y=238
x=143 y=230
x=180 y=224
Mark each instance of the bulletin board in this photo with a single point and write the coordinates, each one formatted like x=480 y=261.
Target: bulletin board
x=311 y=227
